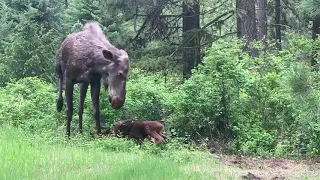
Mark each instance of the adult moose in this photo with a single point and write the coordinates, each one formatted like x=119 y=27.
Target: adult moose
x=86 y=57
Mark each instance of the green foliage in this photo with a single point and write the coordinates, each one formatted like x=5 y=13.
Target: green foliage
x=144 y=99
x=267 y=105
x=26 y=55
x=157 y=56
x=204 y=103
x=145 y=95
x=29 y=103
x=27 y=50
x=309 y=8
x=112 y=21
x=275 y=105
x=305 y=108
x=7 y=24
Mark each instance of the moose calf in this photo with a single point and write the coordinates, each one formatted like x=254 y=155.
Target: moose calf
x=140 y=130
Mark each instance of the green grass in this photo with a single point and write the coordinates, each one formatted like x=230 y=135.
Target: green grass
x=34 y=156
x=23 y=156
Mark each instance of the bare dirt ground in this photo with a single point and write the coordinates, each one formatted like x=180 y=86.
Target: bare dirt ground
x=255 y=168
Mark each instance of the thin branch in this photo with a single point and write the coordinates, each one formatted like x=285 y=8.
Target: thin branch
x=144 y=25
x=231 y=12
x=219 y=37
x=214 y=8
x=162 y=15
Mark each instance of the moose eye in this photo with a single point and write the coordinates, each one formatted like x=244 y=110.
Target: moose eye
x=119 y=73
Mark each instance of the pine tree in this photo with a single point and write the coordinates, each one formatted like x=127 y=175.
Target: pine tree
x=112 y=21
x=30 y=48
x=312 y=12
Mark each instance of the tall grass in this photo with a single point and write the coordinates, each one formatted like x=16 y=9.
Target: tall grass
x=25 y=157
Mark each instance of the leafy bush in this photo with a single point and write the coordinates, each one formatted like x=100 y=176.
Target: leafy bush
x=29 y=103
x=266 y=104
x=144 y=99
x=204 y=106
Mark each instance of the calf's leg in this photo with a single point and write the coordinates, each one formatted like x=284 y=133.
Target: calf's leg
x=157 y=138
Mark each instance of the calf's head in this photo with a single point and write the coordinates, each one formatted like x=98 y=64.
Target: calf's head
x=123 y=127
x=114 y=70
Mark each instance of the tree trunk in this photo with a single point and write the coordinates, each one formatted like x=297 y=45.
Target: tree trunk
x=246 y=22
x=315 y=35
x=262 y=21
x=278 y=23
x=191 y=36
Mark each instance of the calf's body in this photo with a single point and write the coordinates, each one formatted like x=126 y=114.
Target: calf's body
x=140 y=130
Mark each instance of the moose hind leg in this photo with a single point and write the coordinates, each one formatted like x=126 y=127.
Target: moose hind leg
x=95 y=95
x=60 y=98
x=60 y=71
x=69 y=97
x=83 y=93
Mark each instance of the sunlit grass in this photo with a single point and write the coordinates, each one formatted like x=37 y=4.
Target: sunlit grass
x=23 y=158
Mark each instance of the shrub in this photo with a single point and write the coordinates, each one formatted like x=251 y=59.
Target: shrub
x=30 y=104
x=267 y=104
x=144 y=100
x=204 y=105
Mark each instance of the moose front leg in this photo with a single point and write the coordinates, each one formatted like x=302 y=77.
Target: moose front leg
x=95 y=95
x=83 y=93
x=69 y=97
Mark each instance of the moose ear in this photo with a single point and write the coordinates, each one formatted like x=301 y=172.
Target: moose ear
x=107 y=54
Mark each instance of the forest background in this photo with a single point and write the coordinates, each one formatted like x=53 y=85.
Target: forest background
x=236 y=76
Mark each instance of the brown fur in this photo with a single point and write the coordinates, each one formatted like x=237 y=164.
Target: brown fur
x=140 y=130
x=86 y=57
